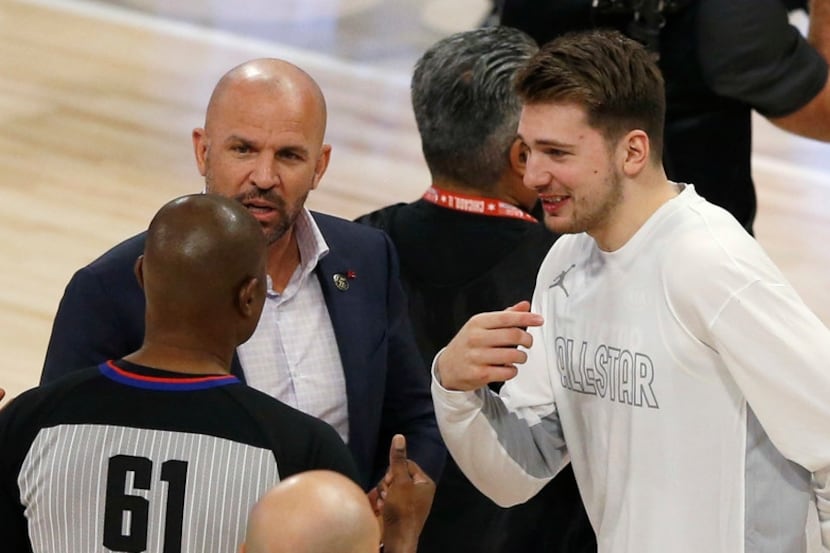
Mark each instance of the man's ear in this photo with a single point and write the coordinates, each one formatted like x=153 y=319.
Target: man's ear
x=321 y=165
x=517 y=157
x=138 y=269
x=246 y=301
x=242 y=547
x=636 y=151
x=512 y=181
x=200 y=145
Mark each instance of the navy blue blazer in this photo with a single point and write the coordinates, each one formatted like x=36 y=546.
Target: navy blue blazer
x=101 y=316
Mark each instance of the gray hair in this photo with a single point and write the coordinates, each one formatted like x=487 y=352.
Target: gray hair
x=465 y=104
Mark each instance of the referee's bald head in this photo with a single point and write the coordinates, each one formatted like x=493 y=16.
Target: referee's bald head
x=203 y=268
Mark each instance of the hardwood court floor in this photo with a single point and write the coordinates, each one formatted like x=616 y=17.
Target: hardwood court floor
x=97 y=102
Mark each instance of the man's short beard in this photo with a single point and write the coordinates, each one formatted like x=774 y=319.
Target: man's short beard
x=287 y=214
x=286 y=222
x=287 y=217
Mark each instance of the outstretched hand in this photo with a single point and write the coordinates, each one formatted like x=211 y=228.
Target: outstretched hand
x=484 y=350
x=405 y=497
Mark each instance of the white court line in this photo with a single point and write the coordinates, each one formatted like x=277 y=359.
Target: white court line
x=195 y=32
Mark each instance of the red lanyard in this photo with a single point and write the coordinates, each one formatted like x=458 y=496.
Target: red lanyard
x=475 y=204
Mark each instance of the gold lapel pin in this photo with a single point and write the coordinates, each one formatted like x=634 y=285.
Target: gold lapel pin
x=341 y=282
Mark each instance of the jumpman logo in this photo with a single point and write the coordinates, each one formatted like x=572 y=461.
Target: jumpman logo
x=560 y=281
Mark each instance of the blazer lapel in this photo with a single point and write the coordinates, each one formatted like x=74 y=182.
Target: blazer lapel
x=345 y=310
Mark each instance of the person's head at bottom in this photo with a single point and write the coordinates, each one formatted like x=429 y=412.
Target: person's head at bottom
x=317 y=511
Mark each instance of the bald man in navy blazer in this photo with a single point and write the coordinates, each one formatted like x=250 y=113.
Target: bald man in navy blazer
x=262 y=144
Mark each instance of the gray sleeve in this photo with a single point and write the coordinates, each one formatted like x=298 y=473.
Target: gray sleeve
x=749 y=51
x=486 y=439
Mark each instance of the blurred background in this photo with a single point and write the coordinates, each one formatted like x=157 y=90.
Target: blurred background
x=98 y=99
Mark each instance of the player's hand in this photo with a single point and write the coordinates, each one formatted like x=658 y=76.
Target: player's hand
x=484 y=350
x=406 y=494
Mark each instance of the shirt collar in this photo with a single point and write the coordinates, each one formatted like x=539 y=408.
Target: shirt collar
x=312 y=246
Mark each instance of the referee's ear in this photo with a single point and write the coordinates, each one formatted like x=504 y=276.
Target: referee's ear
x=138 y=269
x=251 y=298
x=242 y=547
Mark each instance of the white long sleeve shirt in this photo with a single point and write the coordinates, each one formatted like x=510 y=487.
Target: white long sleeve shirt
x=684 y=378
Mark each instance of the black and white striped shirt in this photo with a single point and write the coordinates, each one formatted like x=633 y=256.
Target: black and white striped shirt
x=128 y=458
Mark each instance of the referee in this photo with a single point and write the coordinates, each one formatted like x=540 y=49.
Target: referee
x=163 y=450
